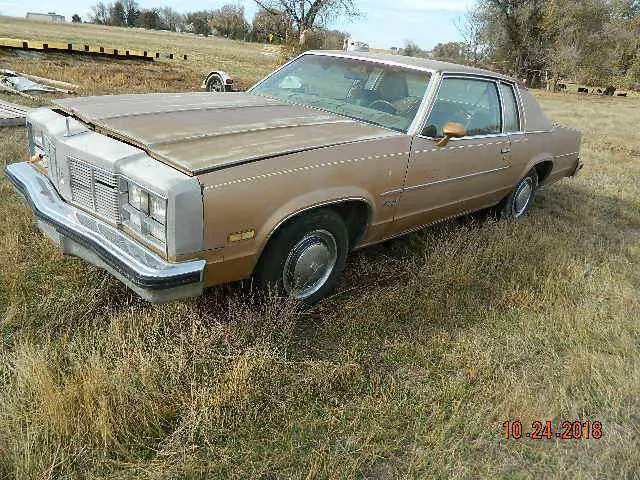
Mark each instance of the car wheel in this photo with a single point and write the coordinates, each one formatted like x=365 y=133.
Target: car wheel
x=215 y=84
x=305 y=258
x=519 y=201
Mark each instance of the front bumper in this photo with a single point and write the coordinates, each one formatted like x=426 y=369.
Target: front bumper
x=84 y=236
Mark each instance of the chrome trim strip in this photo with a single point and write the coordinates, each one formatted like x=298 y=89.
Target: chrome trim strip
x=425 y=105
x=453 y=179
x=391 y=192
x=103 y=245
x=566 y=155
x=420 y=227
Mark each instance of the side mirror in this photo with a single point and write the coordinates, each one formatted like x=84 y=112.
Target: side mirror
x=451 y=130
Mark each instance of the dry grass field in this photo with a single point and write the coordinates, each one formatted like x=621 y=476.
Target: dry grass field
x=431 y=342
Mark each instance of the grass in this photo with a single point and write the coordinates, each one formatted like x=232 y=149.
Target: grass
x=431 y=342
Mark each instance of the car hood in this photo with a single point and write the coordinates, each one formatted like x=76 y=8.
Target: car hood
x=201 y=132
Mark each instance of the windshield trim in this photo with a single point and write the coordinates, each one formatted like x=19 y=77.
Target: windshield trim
x=412 y=124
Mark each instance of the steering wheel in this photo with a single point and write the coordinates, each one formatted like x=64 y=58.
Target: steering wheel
x=384 y=103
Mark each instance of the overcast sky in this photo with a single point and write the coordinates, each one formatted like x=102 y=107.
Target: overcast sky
x=385 y=23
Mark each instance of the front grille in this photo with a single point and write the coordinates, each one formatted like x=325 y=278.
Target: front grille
x=94 y=189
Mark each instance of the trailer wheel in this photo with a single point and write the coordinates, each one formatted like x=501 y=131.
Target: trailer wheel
x=215 y=83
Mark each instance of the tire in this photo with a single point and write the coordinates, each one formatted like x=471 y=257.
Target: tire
x=215 y=84
x=520 y=200
x=317 y=239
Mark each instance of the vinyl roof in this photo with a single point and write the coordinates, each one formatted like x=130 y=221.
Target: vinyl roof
x=412 y=62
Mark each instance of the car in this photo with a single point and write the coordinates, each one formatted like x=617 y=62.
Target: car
x=332 y=152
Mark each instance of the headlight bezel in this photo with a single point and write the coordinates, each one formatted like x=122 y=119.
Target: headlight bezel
x=137 y=216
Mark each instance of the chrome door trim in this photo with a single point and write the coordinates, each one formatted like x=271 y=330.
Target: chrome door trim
x=442 y=76
x=453 y=179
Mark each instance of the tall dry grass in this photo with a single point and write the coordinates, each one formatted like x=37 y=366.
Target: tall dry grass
x=429 y=344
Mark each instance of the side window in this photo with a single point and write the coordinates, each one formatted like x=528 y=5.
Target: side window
x=510 y=107
x=471 y=102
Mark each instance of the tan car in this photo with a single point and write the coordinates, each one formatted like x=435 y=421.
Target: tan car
x=172 y=193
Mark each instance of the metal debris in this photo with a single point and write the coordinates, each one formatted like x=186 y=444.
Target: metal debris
x=25 y=85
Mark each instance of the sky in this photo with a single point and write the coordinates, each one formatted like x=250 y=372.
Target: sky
x=385 y=23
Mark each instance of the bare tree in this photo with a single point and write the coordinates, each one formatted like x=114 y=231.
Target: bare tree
x=173 y=20
x=100 y=14
x=229 y=21
x=470 y=28
x=307 y=14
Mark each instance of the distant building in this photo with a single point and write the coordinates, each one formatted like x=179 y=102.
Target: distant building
x=51 y=17
x=395 y=50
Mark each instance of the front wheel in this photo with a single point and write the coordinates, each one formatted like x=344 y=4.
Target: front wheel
x=305 y=258
x=520 y=200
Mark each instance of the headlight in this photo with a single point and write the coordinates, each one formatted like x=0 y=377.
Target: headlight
x=138 y=198
x=158 y=209
x=145 y=213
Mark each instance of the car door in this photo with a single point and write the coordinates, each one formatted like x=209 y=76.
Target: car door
x=468 y=173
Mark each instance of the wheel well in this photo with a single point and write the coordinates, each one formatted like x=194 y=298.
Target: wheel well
x=356 y=215
x=543 y=169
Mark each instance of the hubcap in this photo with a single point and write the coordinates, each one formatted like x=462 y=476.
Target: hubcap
x=309 y=264
x=215 y=85
x=523 y=196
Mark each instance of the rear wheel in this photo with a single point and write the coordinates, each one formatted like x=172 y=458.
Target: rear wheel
x=306 y=257
x=520 y=200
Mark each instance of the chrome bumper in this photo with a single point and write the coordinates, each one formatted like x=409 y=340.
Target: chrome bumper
x=82 y=235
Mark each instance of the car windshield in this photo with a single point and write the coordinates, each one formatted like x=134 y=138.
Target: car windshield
x=376 y=93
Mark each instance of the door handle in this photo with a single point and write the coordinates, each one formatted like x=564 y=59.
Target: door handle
x=506 y=150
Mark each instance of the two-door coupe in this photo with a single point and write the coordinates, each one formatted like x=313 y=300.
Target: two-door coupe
x=334 y=151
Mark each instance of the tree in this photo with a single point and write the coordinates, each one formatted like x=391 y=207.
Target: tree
x=309 y=14
x=268 y=26
x=198 y=22
x=100 y=14
x=470 y=28
x=411 y=49
x=117 y=14
x=229 y=21
x=151 y=19
x=131 y=12
x=173 y=20
x=76 y=18
x=514 y=30
x=451 y=51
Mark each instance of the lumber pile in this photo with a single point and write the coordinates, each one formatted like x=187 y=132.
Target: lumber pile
x=17 y=43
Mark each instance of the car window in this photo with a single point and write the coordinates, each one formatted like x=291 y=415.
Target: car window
x=510 y=108
x=473 y=103
x=376 y=93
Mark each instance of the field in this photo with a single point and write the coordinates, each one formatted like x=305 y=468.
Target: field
x=431 y=342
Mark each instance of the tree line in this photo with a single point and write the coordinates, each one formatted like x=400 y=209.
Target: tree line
x=594 y=42
x=276 y=21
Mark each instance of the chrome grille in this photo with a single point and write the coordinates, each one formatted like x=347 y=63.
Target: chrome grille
x=94 y=189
